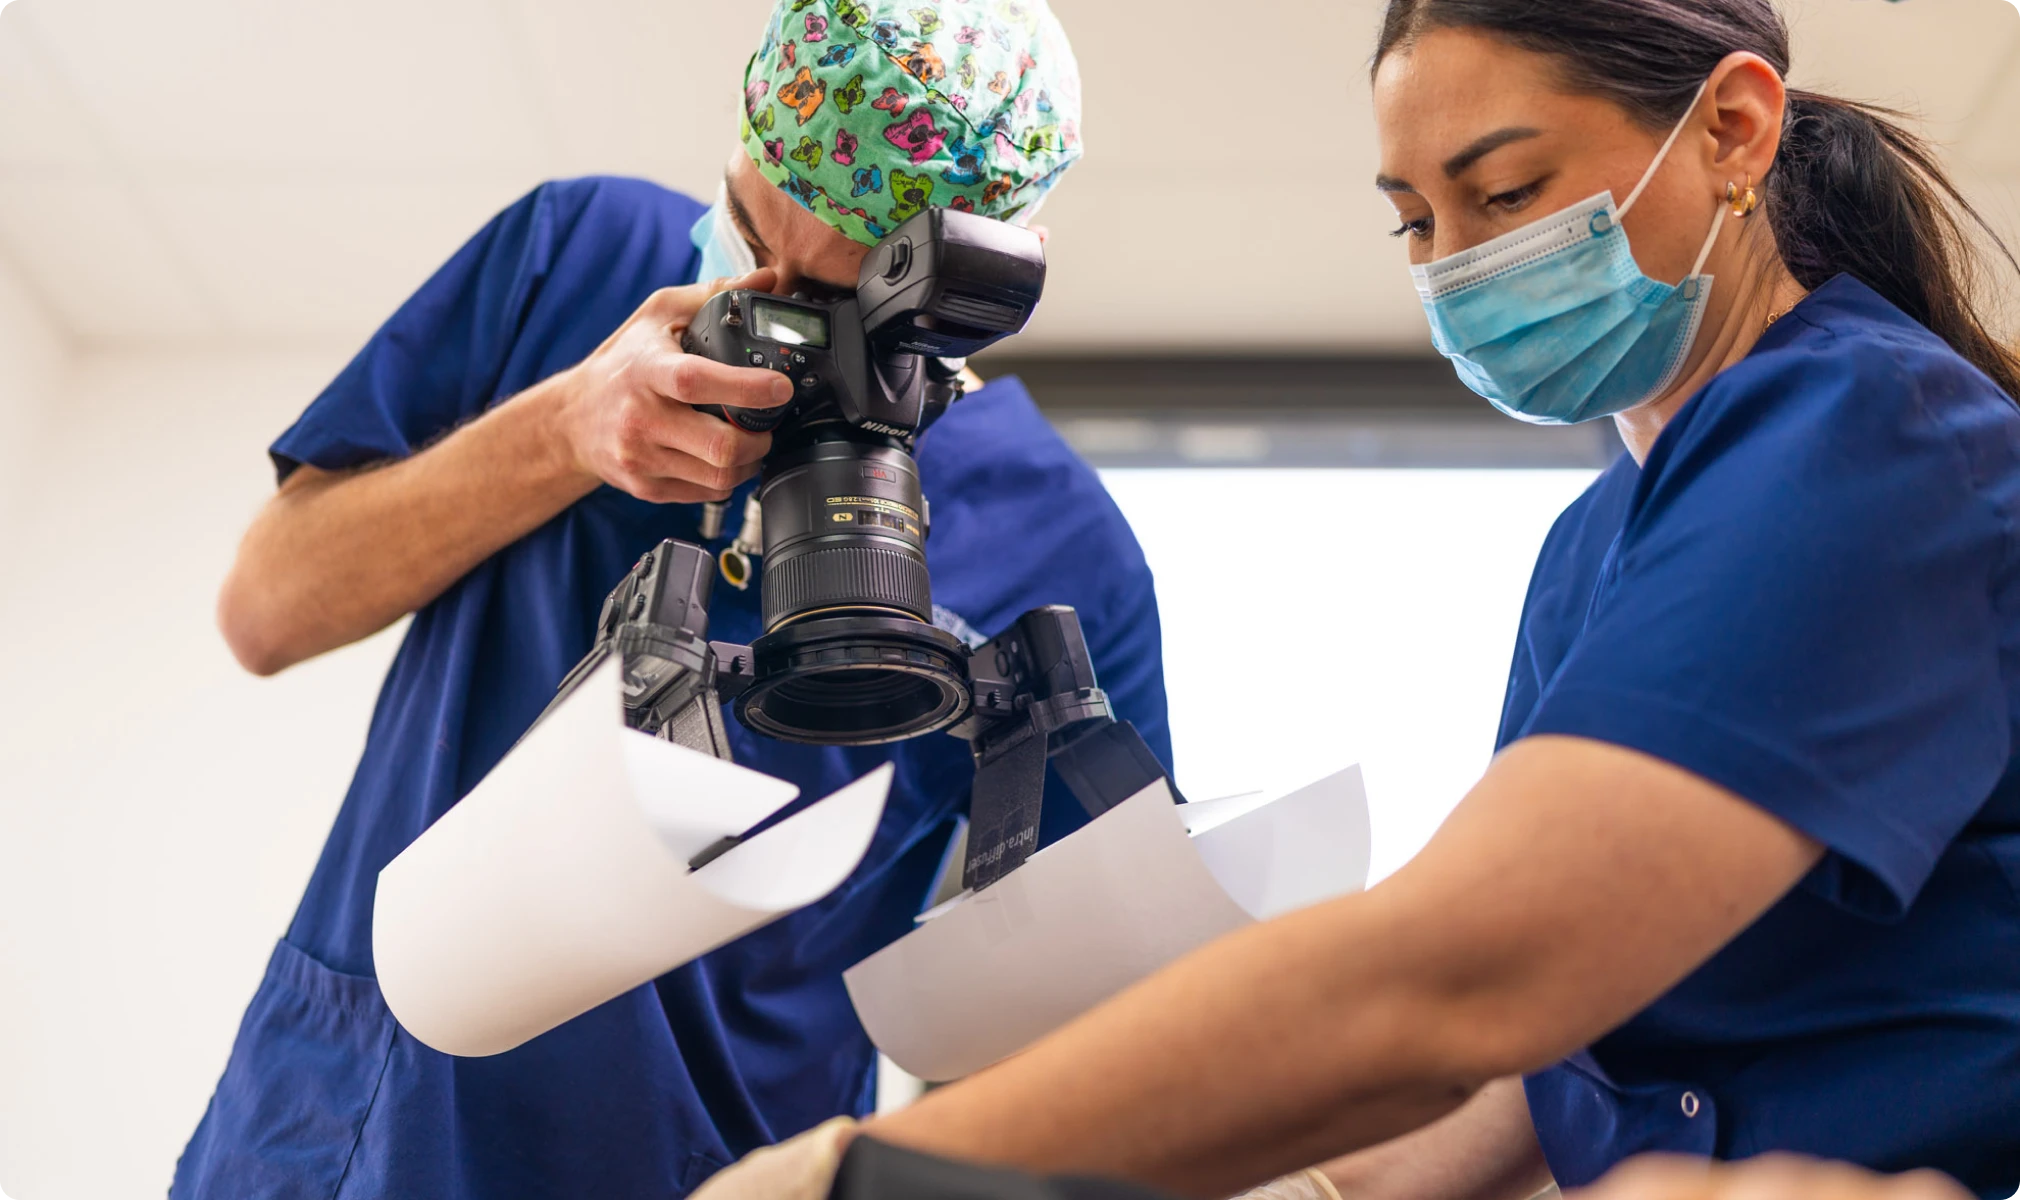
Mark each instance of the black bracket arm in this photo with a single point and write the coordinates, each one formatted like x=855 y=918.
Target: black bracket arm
x=656 y=623
x=1034 y=697
x=1037 y=699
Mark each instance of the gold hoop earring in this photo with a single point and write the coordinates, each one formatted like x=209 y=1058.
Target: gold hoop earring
x=1743 y=203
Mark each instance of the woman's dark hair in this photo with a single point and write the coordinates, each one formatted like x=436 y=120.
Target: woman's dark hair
x=1851 y=190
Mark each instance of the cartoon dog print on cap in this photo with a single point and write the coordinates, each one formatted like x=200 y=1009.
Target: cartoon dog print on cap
x=804 y=94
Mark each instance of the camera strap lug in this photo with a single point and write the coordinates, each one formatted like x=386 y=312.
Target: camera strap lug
x=737 y=560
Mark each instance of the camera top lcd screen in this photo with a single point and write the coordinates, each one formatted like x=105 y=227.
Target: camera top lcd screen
x=789 y=324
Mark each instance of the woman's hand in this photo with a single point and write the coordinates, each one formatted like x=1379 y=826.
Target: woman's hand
x=627 y=412
x=1770 y=1177
x=799 y=1168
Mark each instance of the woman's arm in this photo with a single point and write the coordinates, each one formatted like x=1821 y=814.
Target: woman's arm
x=1575 y=884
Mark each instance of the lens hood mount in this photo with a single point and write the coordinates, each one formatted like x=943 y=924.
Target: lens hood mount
x=854 y=680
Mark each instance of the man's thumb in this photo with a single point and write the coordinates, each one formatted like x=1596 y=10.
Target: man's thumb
x=761 y=280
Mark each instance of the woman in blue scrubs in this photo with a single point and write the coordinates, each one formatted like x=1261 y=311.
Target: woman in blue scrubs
x=1745 y=874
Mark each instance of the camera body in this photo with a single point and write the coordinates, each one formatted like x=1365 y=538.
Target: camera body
x=821 y=347
x=944 y=284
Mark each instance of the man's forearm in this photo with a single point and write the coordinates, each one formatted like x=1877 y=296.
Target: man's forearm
x=335 y=557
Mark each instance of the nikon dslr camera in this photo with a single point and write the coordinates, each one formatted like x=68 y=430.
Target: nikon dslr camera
x=849 y=653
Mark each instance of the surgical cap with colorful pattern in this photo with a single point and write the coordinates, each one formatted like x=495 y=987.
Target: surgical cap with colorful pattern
x=867 y=111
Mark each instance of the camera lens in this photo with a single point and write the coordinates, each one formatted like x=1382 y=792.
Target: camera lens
x=849 y=655
x=844 y=533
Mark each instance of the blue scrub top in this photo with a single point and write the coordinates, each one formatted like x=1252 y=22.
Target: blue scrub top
x=645 y=1096
x=1809 y=595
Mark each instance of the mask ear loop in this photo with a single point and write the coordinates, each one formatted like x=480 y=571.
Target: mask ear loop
x=1648 y=176
x=1691 y=281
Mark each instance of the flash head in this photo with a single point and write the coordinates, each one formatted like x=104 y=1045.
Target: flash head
x=949 y=283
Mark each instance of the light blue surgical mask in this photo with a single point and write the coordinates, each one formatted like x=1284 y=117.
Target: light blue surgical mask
x=1555 y=323
x=724 y=253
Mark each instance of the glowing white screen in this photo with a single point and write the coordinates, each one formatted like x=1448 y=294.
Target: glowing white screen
x=1316 y=618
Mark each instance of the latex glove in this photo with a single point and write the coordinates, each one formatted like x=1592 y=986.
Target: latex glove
x=1769 y=1177
x=1308 y=1184
x=799 y=1168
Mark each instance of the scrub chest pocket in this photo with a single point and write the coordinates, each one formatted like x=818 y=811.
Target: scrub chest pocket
x=331 y=1035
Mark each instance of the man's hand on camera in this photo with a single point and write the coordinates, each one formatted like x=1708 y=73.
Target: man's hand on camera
x=628 y=410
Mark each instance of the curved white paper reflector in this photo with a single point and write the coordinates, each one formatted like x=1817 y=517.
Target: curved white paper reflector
x=561 y=881
x=988 y=974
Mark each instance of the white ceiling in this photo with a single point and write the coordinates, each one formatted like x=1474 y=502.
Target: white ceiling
x=245 y=172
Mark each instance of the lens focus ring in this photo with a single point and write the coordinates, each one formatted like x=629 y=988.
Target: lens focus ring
x=846 y=576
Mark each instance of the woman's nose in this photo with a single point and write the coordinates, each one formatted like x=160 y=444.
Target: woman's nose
x=1447 y=240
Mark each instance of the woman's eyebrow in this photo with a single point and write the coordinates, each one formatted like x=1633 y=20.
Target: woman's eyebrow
x=1456 y=165
x=1483 y=146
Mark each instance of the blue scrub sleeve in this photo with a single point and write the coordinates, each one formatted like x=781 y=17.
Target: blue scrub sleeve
x=1128 y=654
x=1810 y=622
x=436 y=362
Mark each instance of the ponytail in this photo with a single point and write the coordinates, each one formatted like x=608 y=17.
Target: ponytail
x=1851 y=190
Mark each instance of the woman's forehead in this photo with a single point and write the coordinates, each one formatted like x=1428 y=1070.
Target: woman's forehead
x=1449 y=69
x=1450 y=90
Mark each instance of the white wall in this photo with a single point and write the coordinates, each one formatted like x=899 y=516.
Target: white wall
x=33 y=361
x=1318 y=618
x=159 y=808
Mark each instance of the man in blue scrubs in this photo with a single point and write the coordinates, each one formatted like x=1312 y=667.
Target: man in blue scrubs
x=493 y=461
